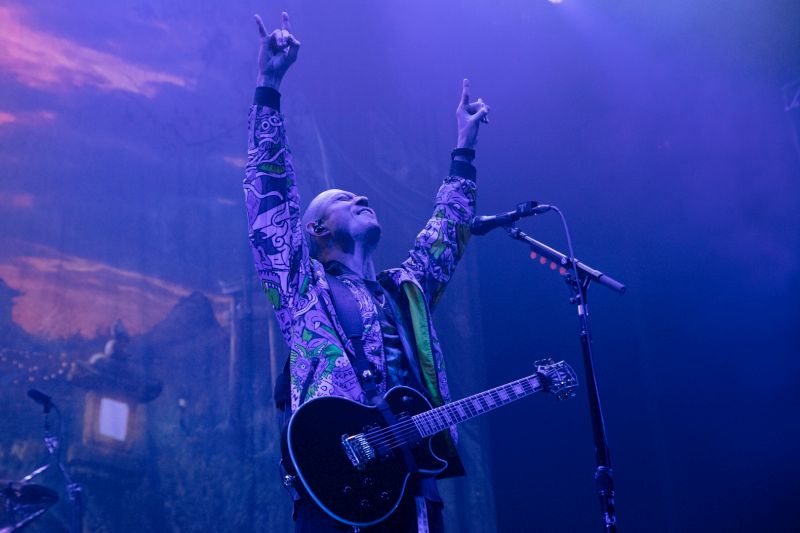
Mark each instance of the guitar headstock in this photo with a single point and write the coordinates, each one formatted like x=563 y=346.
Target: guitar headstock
x=557 y=378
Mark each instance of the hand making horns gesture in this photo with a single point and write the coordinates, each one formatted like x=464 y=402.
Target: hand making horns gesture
x=469 y=115
x=277 y=52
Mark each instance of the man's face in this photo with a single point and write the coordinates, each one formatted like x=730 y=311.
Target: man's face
x=349 y=218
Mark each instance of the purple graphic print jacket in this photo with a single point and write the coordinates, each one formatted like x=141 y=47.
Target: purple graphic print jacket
x=296 y=285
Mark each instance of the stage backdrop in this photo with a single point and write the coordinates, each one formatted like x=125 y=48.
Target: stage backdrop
x=664 y=130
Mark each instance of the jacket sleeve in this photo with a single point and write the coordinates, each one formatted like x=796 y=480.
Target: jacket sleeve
x=440 y=244
x=273 y=208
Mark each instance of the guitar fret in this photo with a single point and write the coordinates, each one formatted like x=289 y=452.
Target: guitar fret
x=496 y=397
x=471 y=406
x=440 y=420
x=484 y=406
x=489 y=400
x=445 y=417
x=417 y=424
x=452 y=417
x=449 y=417
x=476 y=405
x=433 y=422
x=426 y=422
x=484 y=403
x=429 y=422
x=503 y=394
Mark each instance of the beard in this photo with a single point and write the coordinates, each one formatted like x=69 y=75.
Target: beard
x=372 y=235
x=368 y=235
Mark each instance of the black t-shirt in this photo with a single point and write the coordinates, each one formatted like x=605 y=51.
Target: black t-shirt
x=396 y=361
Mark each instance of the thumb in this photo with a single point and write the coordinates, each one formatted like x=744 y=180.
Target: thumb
x=481 y=115
x=294 y=47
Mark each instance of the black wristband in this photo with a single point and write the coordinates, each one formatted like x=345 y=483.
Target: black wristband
x=462 y=169
x=468 y=153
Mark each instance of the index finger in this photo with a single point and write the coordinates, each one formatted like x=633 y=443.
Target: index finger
x=465 y=92
x=285 y=22
x=261 y=29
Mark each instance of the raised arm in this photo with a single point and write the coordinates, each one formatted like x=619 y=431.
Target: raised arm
x=441 y=243
x=273 y=205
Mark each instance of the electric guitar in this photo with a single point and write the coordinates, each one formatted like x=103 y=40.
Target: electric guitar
x=355 y=466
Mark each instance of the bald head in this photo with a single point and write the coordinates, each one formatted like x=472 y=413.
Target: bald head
x=340 y=219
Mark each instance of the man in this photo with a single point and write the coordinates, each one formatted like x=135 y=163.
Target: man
x=298 y=257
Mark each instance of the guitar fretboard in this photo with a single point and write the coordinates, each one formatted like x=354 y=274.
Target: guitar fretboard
x=435 y=420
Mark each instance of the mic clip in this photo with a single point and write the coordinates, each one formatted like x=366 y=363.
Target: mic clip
x=485 y=224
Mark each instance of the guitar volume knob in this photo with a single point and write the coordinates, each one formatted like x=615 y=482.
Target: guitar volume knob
x=385 y=496
x=347 y=490
x=368 y=482
x=364 y=503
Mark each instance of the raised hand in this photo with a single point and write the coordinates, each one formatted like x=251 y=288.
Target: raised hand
x=469 y=116
x=277 y=52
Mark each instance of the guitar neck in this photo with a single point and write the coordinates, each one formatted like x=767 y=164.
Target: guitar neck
x=435 y=420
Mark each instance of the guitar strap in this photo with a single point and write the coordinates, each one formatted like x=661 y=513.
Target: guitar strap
x=349 y=315
x=350 y=318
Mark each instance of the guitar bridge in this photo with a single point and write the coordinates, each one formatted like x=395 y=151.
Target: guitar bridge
x=358 y=449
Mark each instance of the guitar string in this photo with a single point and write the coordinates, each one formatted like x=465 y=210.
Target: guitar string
x=398 y=434
x=400 y=439
x=431 y=419
x=403 y=433
x=427 y=417
x=405 y=430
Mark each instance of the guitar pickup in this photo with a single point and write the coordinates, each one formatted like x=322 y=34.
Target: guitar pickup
x=358 y=450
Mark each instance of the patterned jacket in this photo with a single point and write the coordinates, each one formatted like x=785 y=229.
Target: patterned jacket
x=296 y=285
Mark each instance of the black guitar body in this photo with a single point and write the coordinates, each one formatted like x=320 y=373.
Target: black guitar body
x=355 y=466
x=363 y=494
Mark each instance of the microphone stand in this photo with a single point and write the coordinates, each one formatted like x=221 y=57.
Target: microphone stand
x=53 y=445
x=578 y=277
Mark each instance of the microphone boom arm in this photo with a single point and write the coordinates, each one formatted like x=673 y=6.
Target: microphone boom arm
x=564 y=261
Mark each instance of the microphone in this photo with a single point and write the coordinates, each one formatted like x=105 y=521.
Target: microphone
x=42 y=399
x=485 y=224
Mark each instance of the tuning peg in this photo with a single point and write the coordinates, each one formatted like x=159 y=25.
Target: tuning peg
x=547 y=361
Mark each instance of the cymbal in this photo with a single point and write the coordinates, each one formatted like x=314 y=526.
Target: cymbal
x=28 y=494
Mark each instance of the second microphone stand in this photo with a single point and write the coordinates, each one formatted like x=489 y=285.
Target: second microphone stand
x=578 y=276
